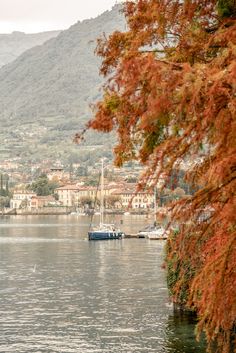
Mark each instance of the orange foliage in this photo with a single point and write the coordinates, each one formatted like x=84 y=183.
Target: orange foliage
x=171 y=97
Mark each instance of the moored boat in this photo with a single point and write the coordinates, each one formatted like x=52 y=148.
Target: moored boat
x=153 y=232
x=104 y=231
x=158 y=234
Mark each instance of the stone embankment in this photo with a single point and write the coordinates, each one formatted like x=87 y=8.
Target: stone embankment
x=44 y=211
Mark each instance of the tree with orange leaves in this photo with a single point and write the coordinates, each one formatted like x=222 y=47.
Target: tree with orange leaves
x=171 y=97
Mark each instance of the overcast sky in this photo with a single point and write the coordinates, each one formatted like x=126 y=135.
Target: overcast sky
x=32 y=16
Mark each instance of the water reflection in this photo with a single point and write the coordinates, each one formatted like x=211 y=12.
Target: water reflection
x=61 y=293
x=180 y=336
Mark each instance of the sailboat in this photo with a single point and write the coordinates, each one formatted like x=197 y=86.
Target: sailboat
x=104 y=231
x=153 y=231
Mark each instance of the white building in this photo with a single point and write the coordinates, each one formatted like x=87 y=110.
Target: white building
x=21 y=199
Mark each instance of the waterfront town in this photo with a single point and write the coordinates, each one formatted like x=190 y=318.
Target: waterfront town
x=51 y=188
x=96 y=258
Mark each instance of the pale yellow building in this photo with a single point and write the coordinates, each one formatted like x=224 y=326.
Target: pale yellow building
x=68 y=195
x=133 y=200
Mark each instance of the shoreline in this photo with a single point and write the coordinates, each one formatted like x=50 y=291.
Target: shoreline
x=70 y=211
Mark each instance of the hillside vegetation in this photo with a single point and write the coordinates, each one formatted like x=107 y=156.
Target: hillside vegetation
x=14 y=44
x=46 y=92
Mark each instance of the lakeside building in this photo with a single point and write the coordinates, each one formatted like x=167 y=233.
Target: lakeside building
x=68 y=195
x=26 y=203
x=127 y=197
x=95 y=192
x=134 y=200
x=21 y=199
x=42 y=201
x=116 y=195
x=75 y=194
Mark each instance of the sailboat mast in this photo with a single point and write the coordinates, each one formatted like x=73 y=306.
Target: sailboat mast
x=102 y=195
x=155 y=204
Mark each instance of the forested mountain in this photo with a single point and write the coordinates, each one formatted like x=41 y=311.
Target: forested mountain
x=46 y=92
x=14 y=44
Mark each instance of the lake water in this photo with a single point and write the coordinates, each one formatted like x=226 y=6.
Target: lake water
x=62 y=293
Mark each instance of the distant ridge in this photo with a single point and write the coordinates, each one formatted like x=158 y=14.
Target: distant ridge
x=14 y=44
x=46 y=92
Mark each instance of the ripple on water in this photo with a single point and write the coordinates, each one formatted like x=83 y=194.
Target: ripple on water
x=27 y=240
x=60 y=294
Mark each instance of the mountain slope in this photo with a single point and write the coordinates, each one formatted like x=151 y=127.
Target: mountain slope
x=45 y=93
x=14 y=44
x=57 y=77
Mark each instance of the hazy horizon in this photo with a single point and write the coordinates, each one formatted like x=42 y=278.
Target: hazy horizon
x=35 y=16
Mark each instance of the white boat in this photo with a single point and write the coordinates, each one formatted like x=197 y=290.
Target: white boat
x=104 y=231
x=153 y=232
x=78 y=214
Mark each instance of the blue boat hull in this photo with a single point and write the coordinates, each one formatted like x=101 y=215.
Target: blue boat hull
x=104 y=235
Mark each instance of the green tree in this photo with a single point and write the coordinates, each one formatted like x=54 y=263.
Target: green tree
x=131 y=179
x=81 y=171
x=42 y=186
x=86 y=201
x=24 y=203
x=92 y=180
x=4 y=202
x=112 y=200
x=4 y=185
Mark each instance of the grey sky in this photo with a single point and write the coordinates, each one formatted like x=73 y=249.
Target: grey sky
x=41 y=15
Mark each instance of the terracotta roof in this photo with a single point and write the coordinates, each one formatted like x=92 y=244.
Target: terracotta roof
x=68 y=187
x=24 y=192
x=46 y=198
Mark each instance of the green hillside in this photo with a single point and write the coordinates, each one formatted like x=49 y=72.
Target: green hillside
x=14 y=44
x=46 y=92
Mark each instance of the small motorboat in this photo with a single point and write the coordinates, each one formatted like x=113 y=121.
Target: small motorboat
x=153 y=232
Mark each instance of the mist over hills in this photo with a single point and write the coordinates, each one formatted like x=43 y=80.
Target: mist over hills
x=14 y=44
x=46 y=92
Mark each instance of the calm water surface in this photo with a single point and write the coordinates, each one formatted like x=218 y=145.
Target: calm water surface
x=61 y=293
